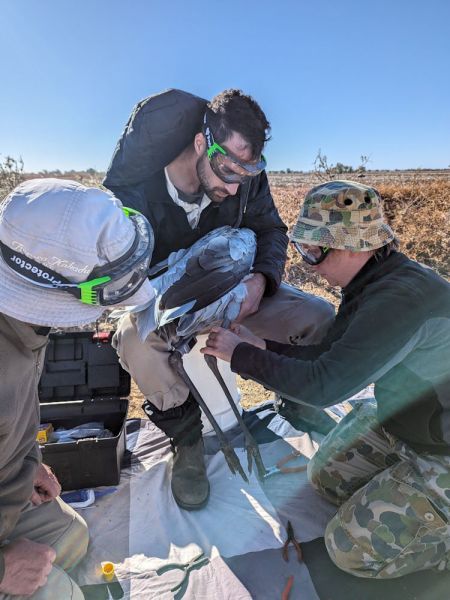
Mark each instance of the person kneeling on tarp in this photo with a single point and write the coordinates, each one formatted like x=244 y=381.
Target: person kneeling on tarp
x=386 y=464
x=66 y=253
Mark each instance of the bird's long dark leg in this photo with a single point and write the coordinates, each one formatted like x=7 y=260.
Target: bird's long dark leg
x=176 y=362
x=251 y=446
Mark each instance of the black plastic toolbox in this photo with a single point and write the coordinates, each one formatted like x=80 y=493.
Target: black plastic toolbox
x=82 y=381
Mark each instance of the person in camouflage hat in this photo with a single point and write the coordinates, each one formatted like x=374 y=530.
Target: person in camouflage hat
x=386 y=465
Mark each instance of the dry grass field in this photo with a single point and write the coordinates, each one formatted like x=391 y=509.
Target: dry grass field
x=417 y=205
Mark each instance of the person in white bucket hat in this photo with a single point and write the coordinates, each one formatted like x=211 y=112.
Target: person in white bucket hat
x=67 y=252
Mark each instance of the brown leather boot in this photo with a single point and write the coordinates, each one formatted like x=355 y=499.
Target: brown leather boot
x=190 y=485
x=183 y=425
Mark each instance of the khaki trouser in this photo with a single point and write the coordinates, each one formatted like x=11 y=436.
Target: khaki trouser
x=58 y=525
x=394 y=504
x=290 y=316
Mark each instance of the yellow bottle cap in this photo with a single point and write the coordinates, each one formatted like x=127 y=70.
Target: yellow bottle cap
x=107 y=570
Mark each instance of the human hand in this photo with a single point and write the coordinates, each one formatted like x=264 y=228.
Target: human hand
x=256 y=285
x=27 y=566
x=247 y=336
x=221 y=343
x=46 y=486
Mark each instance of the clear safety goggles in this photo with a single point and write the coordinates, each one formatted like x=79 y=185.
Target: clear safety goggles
x=109 y=284
x=227 y=167
x=313 y=255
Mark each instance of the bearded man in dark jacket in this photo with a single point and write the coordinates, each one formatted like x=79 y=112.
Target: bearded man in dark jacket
x=386 y=464
x=217 y=179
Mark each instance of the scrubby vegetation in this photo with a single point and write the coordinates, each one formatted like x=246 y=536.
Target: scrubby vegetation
x=416 y=203
x=11 y=174
x=417 y=208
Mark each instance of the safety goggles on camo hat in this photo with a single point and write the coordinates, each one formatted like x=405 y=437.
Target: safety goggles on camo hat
x=109 y=284
x=227 y=167
x=313 y=255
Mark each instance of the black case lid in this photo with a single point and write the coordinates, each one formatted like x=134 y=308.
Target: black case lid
x=82 y=365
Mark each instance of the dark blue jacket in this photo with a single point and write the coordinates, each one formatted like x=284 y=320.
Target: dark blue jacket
x=158 y=129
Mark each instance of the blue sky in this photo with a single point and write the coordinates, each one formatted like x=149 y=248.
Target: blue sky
x=351 y=77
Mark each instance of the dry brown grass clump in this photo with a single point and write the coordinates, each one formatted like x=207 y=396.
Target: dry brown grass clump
x=419 y=213
x=418 y=210
x=11 y=174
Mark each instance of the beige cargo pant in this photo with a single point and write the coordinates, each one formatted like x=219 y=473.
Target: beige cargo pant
x=58 y=525
x=290 y=316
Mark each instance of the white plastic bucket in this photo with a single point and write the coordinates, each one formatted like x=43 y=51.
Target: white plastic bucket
x=209 y=387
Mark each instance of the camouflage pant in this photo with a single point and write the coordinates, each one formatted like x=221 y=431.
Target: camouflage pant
x=394 y=504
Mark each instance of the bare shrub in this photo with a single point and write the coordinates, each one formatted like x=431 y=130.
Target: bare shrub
x=11 y=174
x=325 y=171
x=419 y=213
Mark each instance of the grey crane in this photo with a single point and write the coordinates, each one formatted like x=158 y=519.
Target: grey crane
x=200 y=287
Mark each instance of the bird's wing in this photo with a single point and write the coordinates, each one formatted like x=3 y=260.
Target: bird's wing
x=197 y=278
x=227 y=307
x=211 y=271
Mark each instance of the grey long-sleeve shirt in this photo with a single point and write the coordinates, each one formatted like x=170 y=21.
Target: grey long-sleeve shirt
x=22 y=353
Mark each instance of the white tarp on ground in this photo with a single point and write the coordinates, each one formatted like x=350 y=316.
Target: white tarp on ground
x=140 y=528
x=241 y=531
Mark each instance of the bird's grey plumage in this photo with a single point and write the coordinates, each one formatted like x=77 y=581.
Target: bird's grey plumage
x=202 y=284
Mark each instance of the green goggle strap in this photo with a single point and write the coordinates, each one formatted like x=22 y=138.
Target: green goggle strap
x=88 y=295
x=215 y=148
x=127 y=211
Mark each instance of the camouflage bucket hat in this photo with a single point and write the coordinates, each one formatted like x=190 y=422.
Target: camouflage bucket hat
x=345 y=215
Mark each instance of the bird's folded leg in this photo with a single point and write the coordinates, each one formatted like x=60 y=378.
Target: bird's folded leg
x=232 y=460
x=253 y=453
x=176 y=362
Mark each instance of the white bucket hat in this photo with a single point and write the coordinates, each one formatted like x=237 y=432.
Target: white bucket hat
x=70 y=229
